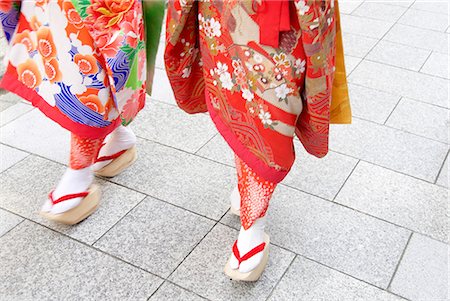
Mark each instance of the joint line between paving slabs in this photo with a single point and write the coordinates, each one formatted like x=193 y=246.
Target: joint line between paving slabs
x=345 y=182
x=120 y=219
x=399 y=262
x=23 y=219
x=281 y=278
x=193 y=248
x=442 y=168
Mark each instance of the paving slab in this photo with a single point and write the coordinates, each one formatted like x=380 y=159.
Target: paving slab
x=39 y=264
x=423 y=272
x=346 y=240
x=202 y=271
x=397 y=198
x=394 y=80
x=308 y=280
x=8 y=221
x=10 y=156
x=26 y=185
x=422 y=119
x=390 y=148
x=182 y=179
x=155 y=236
x=168 y=125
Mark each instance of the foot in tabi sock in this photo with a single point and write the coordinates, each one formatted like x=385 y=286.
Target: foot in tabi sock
x=249 y=253
x=74 y=198
x=235 y=200
x=117 y=153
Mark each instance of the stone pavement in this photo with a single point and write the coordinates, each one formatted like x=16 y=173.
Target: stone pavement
x=368 y=222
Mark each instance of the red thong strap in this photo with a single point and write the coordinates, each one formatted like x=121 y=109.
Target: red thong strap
x=67 y=197
x=250 y=254
x=111 y=157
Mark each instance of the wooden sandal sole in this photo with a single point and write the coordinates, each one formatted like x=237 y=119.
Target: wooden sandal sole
x=119 y=164
x=88 y=205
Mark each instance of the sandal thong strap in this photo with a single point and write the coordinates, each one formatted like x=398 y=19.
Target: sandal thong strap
x=248 y=255
x=111 y=157
x=67 y=197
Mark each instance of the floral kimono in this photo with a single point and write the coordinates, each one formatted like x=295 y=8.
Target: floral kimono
x=81 y=62
x=263 y=69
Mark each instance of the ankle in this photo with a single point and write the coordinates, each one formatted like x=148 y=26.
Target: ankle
x=253 y=236
x=74 y=181
x=123 y=135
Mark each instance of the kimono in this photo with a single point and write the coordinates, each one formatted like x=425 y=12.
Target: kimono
x=81 y=62
x=265 y=72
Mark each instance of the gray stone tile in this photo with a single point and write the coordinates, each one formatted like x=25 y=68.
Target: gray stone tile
x=322 y=177
x=421 y=119
x=399 y=55
x=357 y=45
x=8 y=221
x=307 y=280
x=351 y=63
x=162 y=90
x=348 y=6
x=168 y=125
x=402 y=82
x=218 y=150
x=437 y=65
x=159 y=63
x=8 y=99
x=443 y=176
x=426 y=20
x=14 y=111
x=371 y=104
x=390 y=148
x=434 y=6
x=351 y=242
x=403 y=3
x=202 y=271
x=185 y=180
x=341 y=238
x=423 y=271
x=26 y=187
x=9 y=156
x=169 y=291
x=37 y=134
x=417 y=37
x=379 y=10
x=155 y=236
x=39 y=264
x=397 y=198
x=364 y=26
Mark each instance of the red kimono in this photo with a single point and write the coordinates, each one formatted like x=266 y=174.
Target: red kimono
x=264 y=71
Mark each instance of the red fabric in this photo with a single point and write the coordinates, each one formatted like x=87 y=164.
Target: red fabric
x=273 y=18
x=259 y=97
x=255 y=193
x=248 y=255
x=83 y=151
x=67 y=197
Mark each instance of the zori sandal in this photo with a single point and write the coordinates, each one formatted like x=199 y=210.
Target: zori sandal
x=120 y=161
x=254 y=274
x=87 y=206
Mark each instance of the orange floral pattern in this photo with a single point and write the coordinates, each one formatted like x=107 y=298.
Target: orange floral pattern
x=29 y=74
x=90 y=69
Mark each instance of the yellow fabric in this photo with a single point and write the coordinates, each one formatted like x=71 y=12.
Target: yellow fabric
x=340 y=110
